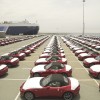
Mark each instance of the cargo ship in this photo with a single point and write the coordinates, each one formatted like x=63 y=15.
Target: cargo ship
x=25 y=28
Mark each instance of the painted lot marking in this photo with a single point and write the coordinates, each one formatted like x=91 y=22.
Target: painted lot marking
x=19 y=92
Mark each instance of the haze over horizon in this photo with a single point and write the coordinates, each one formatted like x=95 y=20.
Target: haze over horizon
x=54 y=15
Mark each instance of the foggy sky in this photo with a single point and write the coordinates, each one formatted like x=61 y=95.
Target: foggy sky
x=54 y=15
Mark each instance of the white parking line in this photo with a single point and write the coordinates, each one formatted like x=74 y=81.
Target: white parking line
x=19 y=92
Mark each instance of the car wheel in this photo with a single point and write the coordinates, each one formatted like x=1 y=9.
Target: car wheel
x=36 y=75
x=98 y=76
x=68 y=96
x=29 y=96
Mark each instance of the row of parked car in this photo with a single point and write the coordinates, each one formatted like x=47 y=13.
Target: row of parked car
x=51 y=76
x=90 y=58
x=8 y=41
x=12 y=58
x=93 y=43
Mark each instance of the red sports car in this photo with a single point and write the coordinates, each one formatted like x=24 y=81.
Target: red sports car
x=3 y=69
x=52 y=68
x=24 y=50
x=10 y=61
x=30 y=48
x=80 y=51
x=95 y=71
x=91 y=61
x=51 y=59
x=83 y=56
x=18 y=54
x=54 y=85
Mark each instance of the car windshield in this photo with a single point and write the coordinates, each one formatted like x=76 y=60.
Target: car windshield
x=90 y=52
x=53 y=58
x=98 y=58
x=54 y=66
x=54 y=78
x=15 y=52
x=6 y=57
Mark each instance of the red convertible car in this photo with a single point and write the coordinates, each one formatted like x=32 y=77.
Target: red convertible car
x=83 y=56
x=3 y=69
x=25 y=50
x=10 y=61
x=51 y=59
x=80 y=51
x=52 y=68
x=54 y=85
x=95 y=71
x=18 y=54
x=91 y=61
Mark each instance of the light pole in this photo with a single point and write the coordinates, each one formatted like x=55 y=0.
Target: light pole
x=83 y=19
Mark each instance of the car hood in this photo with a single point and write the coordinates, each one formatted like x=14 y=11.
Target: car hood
x=95 y=68
x=47 y=51
x=14 y=59
x=27 y=51
x=74 y=83
x=89 y=60
x=83 y=54
x=68 y=67
x=41 y=60
x=32 y=83
x=64 y=59
x=62 y=54
x=2 y=66
x=21 y=54
x=45 y=54
x=38 y=68
x=79 y=51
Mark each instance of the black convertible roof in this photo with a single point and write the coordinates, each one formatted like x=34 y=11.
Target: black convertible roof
x=57 y=77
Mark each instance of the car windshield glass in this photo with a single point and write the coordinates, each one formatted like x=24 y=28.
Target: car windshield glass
x=48 y=66
x=7 y=57
x=54 y=77
x=98 y=58
x=15 y=52
x=54 y=66
x=53 y=58
x=45 y=81
x=90 y=52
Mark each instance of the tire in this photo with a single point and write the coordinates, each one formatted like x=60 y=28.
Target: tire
x=68 y=96
x=29 y=96
x=99 y=76
x=36 y=75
